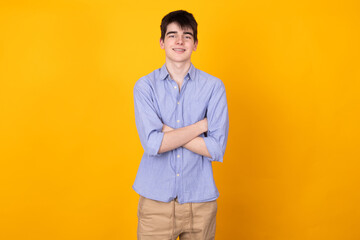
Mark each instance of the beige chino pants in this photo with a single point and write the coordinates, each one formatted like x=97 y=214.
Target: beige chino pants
x=169 y=220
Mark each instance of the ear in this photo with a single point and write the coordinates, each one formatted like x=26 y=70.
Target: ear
x=162 y=45
x=195 y=45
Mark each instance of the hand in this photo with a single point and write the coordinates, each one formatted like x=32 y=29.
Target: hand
x=166 y=128
x=203 y=124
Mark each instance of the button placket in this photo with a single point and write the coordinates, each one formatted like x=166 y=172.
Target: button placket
x=177 y=117
x=179 y=123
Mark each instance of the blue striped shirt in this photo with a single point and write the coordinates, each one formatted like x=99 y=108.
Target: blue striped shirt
x=179 y=172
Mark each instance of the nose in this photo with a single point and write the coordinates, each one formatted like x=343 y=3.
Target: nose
x=179 y=40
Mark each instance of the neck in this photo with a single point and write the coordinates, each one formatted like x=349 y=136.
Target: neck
x=177 y=70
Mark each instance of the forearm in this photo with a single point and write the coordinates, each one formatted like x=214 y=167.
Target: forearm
x=197 y=145
x=179 y=137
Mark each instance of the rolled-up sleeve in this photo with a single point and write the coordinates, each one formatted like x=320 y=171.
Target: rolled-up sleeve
x=218 y=123
x=148 y=123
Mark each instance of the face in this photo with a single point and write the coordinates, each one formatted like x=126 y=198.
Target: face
x=178 y=43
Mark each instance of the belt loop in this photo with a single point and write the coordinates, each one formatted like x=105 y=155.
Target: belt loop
x=191 y=220
x=173 y=216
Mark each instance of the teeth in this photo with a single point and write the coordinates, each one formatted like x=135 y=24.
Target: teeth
x=179 y=49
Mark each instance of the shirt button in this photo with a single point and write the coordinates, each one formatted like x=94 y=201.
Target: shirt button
x=178 y=155
x=178 y=102
x=177 y=174
x=175 y=86
x=178 y=120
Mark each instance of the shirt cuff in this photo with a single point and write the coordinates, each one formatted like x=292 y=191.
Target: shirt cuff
x=155 y=143
x=212 y=147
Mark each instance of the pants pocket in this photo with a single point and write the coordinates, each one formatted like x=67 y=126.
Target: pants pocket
x=141 y=200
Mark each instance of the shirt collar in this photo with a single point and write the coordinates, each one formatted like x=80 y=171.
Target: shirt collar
x=164 y=72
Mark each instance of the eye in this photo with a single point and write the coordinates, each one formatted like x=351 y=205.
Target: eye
x=171 y=36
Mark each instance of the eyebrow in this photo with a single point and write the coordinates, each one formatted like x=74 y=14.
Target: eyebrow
x=171 y=32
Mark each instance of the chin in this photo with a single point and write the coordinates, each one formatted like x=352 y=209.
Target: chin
x=178 y=59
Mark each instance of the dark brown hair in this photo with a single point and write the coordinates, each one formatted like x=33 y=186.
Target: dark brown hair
x=181 y=17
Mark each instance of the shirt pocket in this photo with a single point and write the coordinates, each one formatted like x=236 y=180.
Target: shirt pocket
x=198 y=110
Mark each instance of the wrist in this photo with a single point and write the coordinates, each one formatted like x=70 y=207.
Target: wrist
x=200 y=127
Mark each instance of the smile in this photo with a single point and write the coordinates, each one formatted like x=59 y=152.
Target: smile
x=179 y=49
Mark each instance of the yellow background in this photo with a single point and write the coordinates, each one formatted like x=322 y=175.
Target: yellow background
x=68 y=141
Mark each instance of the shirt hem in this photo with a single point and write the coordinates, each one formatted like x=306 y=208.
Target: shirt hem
x=153 y=197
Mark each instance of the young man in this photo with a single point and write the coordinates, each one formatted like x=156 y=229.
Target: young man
x=182 y=119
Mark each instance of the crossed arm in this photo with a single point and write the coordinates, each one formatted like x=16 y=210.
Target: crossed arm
x=155 y=142
x=187 y=137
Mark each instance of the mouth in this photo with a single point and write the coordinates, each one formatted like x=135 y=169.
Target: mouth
x=179 y=50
